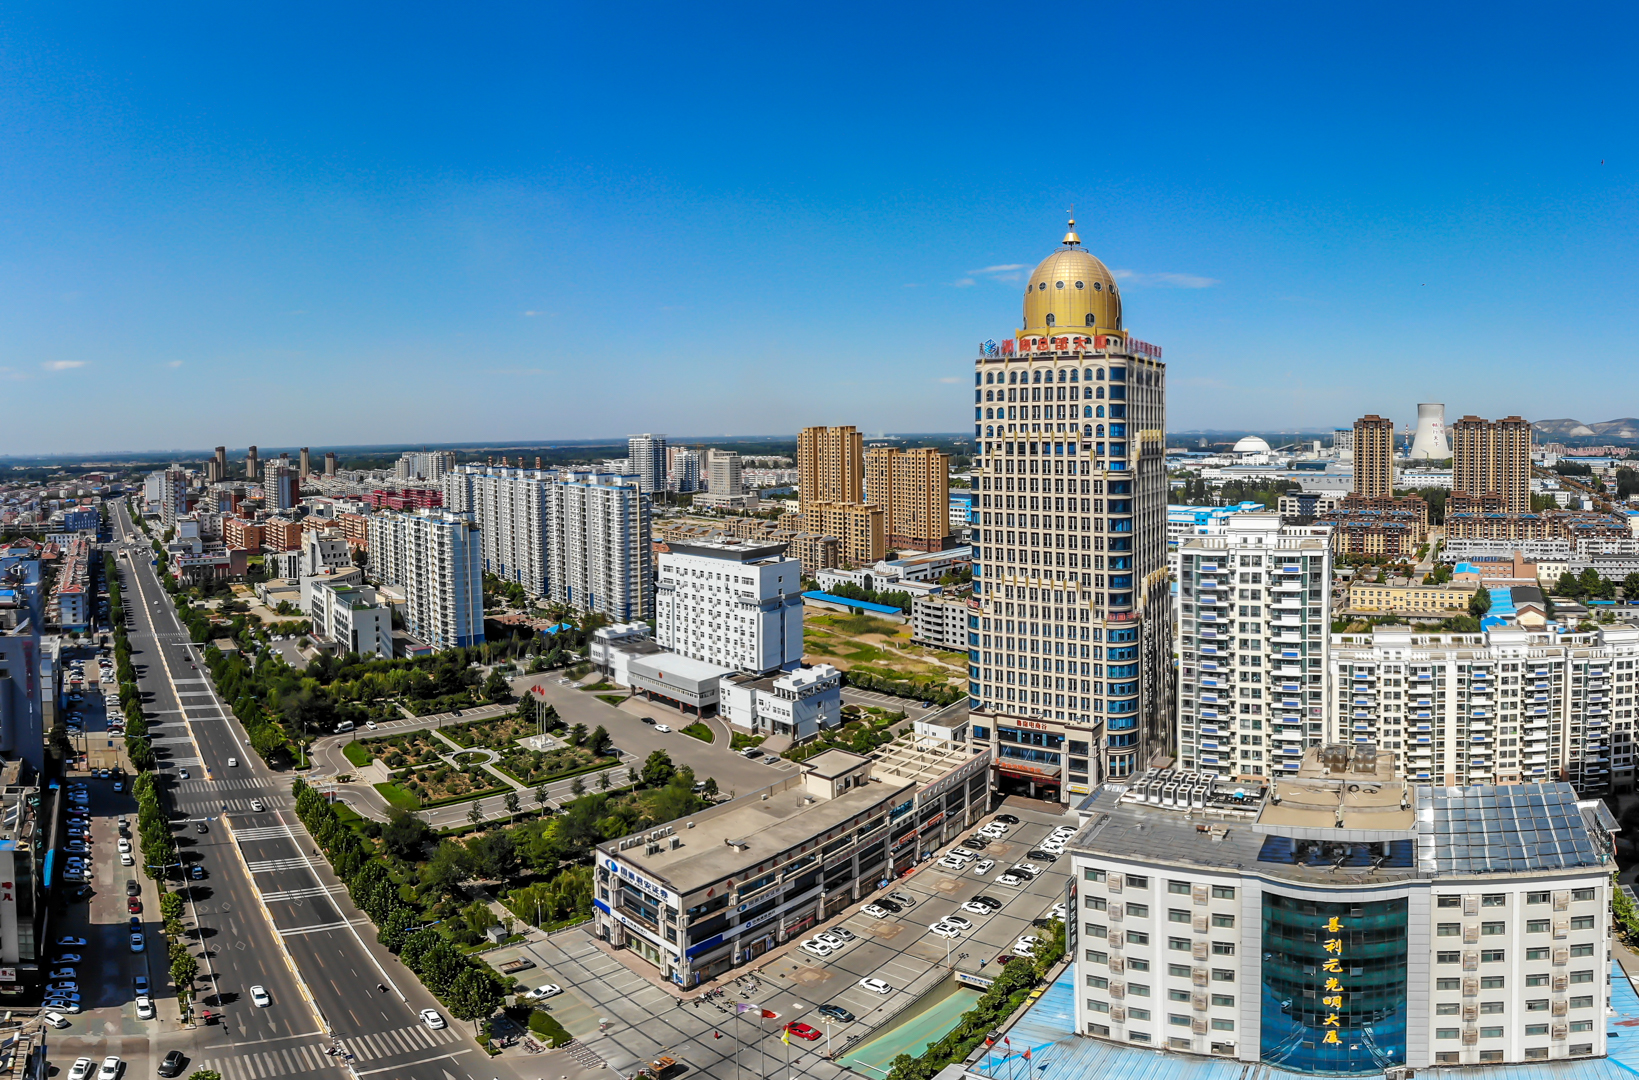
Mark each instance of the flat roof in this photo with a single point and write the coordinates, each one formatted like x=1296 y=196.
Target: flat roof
x=920 y=760
x=833 y=763
x=727 y=548
x=670 y=667
x=863 y=605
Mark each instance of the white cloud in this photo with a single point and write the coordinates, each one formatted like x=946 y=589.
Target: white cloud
x=531 y=314
x=1166 y=280
x=951 y=379
x=174 y=363
x=963 y=284
x=62 y=365
x=999 y=269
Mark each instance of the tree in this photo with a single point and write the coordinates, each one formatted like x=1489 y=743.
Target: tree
x=204 y=1074
x=540 y=795
x=474 y=995
x=658 y=770
x=603 y=780
x=405 y=835
x=599 y=741
x=1568 y=585
x=577 y=734
x=475 y=815
x=578 y=786
x=496 y=688
x=1479 y=603
x=1630 y=586
x=511 y=804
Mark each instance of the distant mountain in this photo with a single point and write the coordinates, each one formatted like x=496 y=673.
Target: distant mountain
x=1624 y=430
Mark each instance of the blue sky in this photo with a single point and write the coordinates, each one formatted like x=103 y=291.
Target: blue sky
x=341 y=224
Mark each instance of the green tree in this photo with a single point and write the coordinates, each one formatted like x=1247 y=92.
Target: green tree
x=510 y=801
x=599 y=741
x=405 y=835
x=603 y=780
x=1630 y=586
x=540 y=795
x=578 y=786
x=496 y=688
x=1568 y=585
x=1479 y=603
x=475 y=815
x=577 y=734
x=474 y=995
x=658 y=770
x=204 y=1074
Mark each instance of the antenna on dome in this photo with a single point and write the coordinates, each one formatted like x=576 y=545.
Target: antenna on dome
x=1070 y=238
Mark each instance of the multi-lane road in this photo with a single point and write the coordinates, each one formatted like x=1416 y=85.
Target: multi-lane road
x=273 y=914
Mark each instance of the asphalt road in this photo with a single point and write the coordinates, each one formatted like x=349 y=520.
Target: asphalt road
x=269 y=897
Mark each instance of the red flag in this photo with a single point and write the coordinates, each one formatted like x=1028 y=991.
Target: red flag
x=1027 y=1053
x=770 y=1014
x=1007 y=1042
x=717 y=1034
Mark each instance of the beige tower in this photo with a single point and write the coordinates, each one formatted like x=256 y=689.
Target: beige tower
x=1493 y=458
x=1374 y=456
x=831 y=465
x=913 y=489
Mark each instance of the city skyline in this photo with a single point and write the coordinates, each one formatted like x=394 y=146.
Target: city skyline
x=170 y=254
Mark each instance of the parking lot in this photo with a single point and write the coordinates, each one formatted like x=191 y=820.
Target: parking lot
x=646 y=1019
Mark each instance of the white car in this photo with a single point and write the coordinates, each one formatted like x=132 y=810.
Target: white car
x=371 y=724
x=1058 y=911
x=958 y=922
x=541 y=993
x=145 y=1008
x=109 y=1069
x=976 y=908
x=256 y=805
x=62 y=1005
x=1026 y=945
x=126 y=859
x=944 y=929
x=663 y=729
x=81 y=1069
x=950 y=863
x=1010 y=879
x=259 y=998
x=233 y=763
x=876 y=986
x=431 y=1018
x=830 y=939
x=874 y=912
x=124 y=846
x=817 y=947
x=183 y=773
x=964 y=854
x=56 y=1020
x=985 y=866
x=1030 y=868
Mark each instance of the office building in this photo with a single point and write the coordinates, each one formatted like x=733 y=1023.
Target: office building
x=830 y=465
x=1343 y=443
x=1072 y=671
x=913 y=489
x=1338 y=921
x=1508 y=705
x=1254 y=620
x=646 y=457
x=350 y=617
x=435 y=558
x=281 y=487
x=325 y=550
x=940 y=621
x=723 y=473
x=251 y=469
x=796 y=704
x=599 y=556
x=1492 y=458
x=1374 y=456
x=22 y=695
x=734 y=603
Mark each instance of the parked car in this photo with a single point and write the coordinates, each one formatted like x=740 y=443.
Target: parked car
x=944 y=929
x=876 y=986
x=984 y=866
x=836 y=1012
x=890 y=905
x=816 y=947
x=874 y=912
x=173 y=1063
x=81 y=1069
x=803 y=1031
x=541 y=993
x=830 y=939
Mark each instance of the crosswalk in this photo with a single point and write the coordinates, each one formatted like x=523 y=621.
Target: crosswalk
x=405 y=1040
x=203 y=806
x=268 y=866
x=304 y=894
x=298 y=1060
x=227 y=783
x=266 y=832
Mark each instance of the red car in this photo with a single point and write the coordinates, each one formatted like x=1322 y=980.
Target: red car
x=133 y=905
x=803 y=1031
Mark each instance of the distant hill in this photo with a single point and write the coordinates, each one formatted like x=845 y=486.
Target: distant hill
x=1623 y=430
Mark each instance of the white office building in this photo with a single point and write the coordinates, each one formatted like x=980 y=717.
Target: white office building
x=322 y=551
x=1504 y=706
x=723 y=475
x=733 y=603
x=1254 y=622
x=350 y=616
x=434 y=557
x=940 y=621
x=797 y=704
x=646 y=456
x=598 y=555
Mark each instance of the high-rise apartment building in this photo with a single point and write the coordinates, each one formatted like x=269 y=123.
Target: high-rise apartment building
x=831 y=465
x=737 y=604
x=424 y=464
x=1073 y=658
x=646 y=456
x=250 y=464
x=723 y=473
x=435 y=557
x=1374 y=455
x=281 y=487
x=1508 y=705
x=173 y=496
x=684 y=472
x=1254 y=619
x=600 y=558
x=330 y=463
x=861 y=529
x=913 y=489
x=305 y=468
x=219 y=465
x=1493 y=458
x=512 y=508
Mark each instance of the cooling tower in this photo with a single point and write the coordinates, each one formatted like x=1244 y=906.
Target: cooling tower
x=1430 y=443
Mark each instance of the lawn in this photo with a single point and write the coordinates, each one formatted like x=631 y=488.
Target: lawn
x=443 y=783
x=408 y=749
x=700 y=731
x=867 y=645
x=357 y=754
x=397 y=797
x=497 y=732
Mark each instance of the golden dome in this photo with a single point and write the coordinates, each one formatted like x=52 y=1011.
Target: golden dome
x=1071 y=289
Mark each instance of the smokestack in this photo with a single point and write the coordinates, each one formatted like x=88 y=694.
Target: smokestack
x=1430 y=443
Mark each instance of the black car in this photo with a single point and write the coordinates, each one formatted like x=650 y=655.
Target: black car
x=836 y=1012
x=172 y=1065
x=200 y=828
x=646 y=719
x=889 y=905
x=975 y=843
x=1007 y=819
x=987 y=901
x=1042 y=856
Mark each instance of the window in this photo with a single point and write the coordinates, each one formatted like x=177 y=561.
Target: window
x=1138 y=911
x=1176 y=915
x=1181 y=887
x=1580 y=1049
x=1448 y=984
x=1448 y=901
x=1491 y=1032
x=1223 y=948
x=1137 y=937
x=1178 y=971
x=1223 y=975
x=1448 y=956
x=1050 y=320
x=1177 y=1020
x=1139 y=1014
x=1135 y=964
x=1492 y=929
x=1581 y=894
x=1449 y=929
x=1090 y=874
x=1448 y=1057
x=1097 y=903
x=1448 y=1008
x=1223 y=1001
x=1491 y=982
x=1581 y=922
x=1223 y=892
x=1178 y=944
x=1445 y=1033
x=1098 y=1006
x=1536 y=898
x=1581 y=976
x=1538 y=953
x=1096 y=956
x=1138 y=989
x=1223 y=1025
x=1177 y=995
x=1137 y=881
x=1584 y=949
x=1536 y=1029
x=1491 y=1007
x=1536 y=926
x=1536 y=980
x=1581 y=1025
x=1223 y=920
x=1495 y=899
x=1492 y=956
x=1582 y=1001
x=1098 y=982
x=1097 y=930
x=1536 y=1005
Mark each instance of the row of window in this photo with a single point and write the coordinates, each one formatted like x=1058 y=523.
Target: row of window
x=1532 y=926
x=1179 y=888
x=1142 y=911
x=1497 y=1032
x=1543 y=896
x=1492 y=956
x=1177 y=971
x=1140 y=937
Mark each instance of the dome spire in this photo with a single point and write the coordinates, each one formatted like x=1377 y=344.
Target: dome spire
x=1070 y=238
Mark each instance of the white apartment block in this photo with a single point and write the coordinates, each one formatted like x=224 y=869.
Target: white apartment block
x=684 y=472
x=647 y=457
x=424 y=465
x=434 y=557
x=1504 y=706
x=350 y=616
x=940 y=621
x=598 y=556
x=511 y=508
x=1254 y=622
x=737 y=604
x=322 y=551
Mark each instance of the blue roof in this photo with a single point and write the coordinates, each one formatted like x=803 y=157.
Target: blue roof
x=863 y=605
x=1057 y=1053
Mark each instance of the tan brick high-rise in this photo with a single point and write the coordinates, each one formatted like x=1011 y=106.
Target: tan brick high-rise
x=1374 y=456
x=913 y=489
x=831 y=465
x=1493 y=457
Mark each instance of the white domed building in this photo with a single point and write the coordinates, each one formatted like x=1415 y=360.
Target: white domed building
x=1252 y=451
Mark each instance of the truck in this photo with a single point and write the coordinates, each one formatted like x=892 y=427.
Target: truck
x=512 y=967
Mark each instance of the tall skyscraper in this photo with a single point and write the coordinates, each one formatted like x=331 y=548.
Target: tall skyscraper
x=219 y=465
x=1254 y=619
x=281 y=488
x=1374 y=455
x=250 y=464
x=723 y=473
x=913 y=489
x=330 y=463
x=306 y=468
x=173 y=496
x=737 y=604
x=647 y=457
x=1492 y=458
x=685 y=470
x=434 y=556
x=830 y=465
x=1073 y=663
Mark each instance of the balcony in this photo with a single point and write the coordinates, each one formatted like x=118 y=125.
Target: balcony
x=1290 y=688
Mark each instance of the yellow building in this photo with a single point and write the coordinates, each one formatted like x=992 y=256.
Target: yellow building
x=861 y=529
x=1435 y=601
x=913 y=489
x=830 y=465
x=1374 y=456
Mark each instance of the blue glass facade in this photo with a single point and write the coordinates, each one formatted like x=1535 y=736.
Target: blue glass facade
x=1334 y=985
